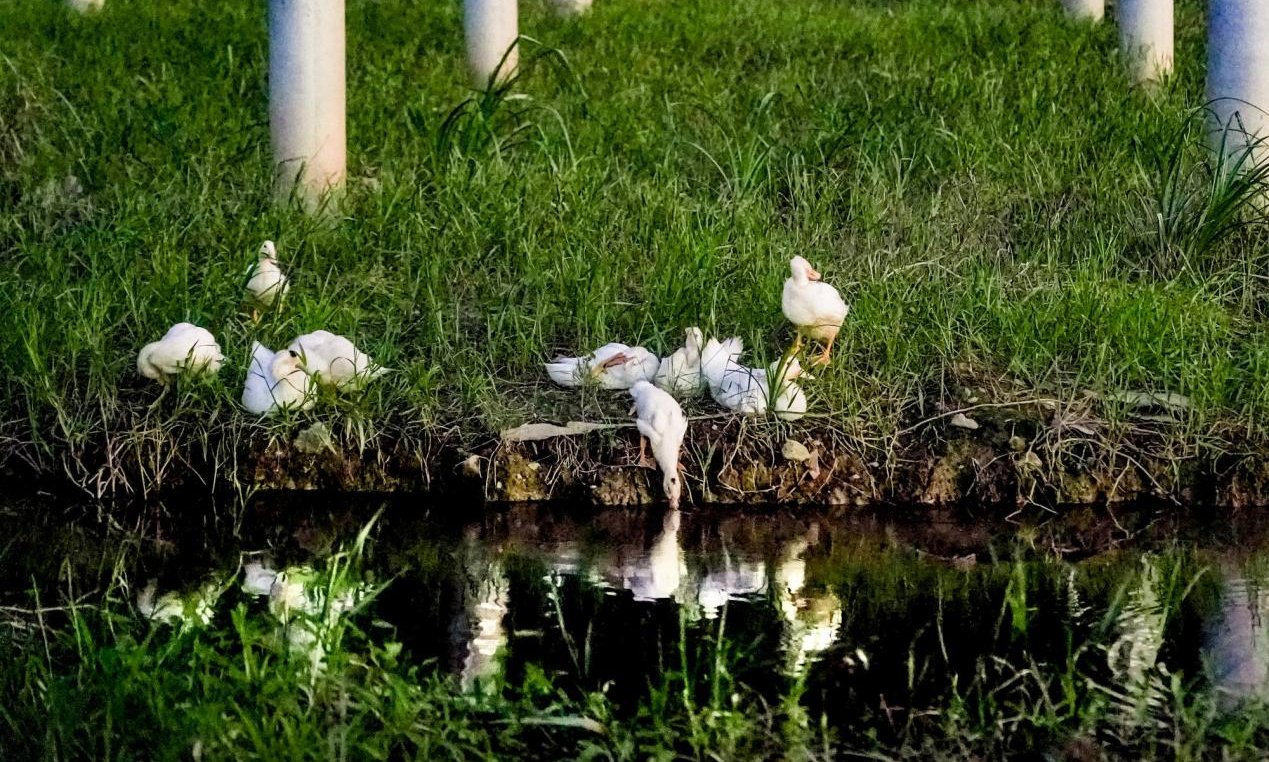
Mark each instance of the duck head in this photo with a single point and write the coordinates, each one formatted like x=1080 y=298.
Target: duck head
x=802 y=270
x=693 y=339
x=673 y=486
x=618 y=359
x=268 y=250
x=285 y=363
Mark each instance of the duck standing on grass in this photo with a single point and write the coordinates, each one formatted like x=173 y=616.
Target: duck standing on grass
x=680 y=373
x=333 y=360
x=185 y=348
x=268 y=285
x=614 y=366
x=661 y=421
x=814 y=307
x=275 y=382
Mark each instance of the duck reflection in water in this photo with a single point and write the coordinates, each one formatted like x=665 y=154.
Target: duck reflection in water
x=813 y=617
x=654 y=573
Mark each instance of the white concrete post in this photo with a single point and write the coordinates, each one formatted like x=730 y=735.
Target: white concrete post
x=85 y=5
x=306 y=97
x=1145 y=38
x=1085 y=10
x=491 y=28
x=1238 y=68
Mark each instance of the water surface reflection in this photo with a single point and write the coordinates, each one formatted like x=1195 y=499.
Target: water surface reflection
x=871 y=614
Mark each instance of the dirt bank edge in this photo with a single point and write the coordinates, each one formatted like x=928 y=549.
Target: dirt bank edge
x=1018 y=455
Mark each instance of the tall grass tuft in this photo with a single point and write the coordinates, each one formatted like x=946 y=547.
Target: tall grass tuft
x=1204 y=188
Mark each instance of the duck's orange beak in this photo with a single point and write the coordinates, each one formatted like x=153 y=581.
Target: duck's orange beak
x=611 y=362
x=812 y=273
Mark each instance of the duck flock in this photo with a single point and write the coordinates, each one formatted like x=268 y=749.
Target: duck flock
x=285 y=379
x=814 y=307
x=288 y=378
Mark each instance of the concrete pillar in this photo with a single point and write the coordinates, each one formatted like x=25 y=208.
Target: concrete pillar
x=491 y=28
x=306 y=97
x=1085 y=10
x=1238 y=69
x=1237 y=644
x=1145 y=38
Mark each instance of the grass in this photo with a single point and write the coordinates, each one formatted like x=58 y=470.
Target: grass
x=977 y=177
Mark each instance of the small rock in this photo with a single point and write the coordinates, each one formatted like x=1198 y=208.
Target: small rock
x=1030 y=461
x=314 y=439
x=962 y=421
x=72 y=188
x=795 y=451
x=1017 y=443
x=471 y=466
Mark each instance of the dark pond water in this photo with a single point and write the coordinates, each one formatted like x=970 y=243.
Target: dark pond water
x=875 y=616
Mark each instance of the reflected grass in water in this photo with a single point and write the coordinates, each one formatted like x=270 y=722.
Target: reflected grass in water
x=543 y=639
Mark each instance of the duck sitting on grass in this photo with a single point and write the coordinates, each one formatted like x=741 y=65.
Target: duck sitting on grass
x=814 y=307
x=185 y=348
x=333 y=360
x=275 y=382
x=613 y=366
x=750 y=391
x=661 y=422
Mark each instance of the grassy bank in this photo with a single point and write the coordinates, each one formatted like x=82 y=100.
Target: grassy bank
x=977 y=177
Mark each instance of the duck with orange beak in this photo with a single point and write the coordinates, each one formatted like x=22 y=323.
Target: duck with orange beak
x=814 y=307
x=612 y=366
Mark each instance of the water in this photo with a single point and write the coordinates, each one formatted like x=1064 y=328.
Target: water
x=876 y=621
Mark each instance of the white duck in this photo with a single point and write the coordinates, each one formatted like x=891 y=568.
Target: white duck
x=680 y=373
x=814 y=307
x=268 y=284
x=748 y=391
x=185 y=348
x=614 y=366
x=275 y=381
x=333 y=360
x=661 y=420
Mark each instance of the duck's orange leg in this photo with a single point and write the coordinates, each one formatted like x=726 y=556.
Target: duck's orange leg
x=827 y=356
